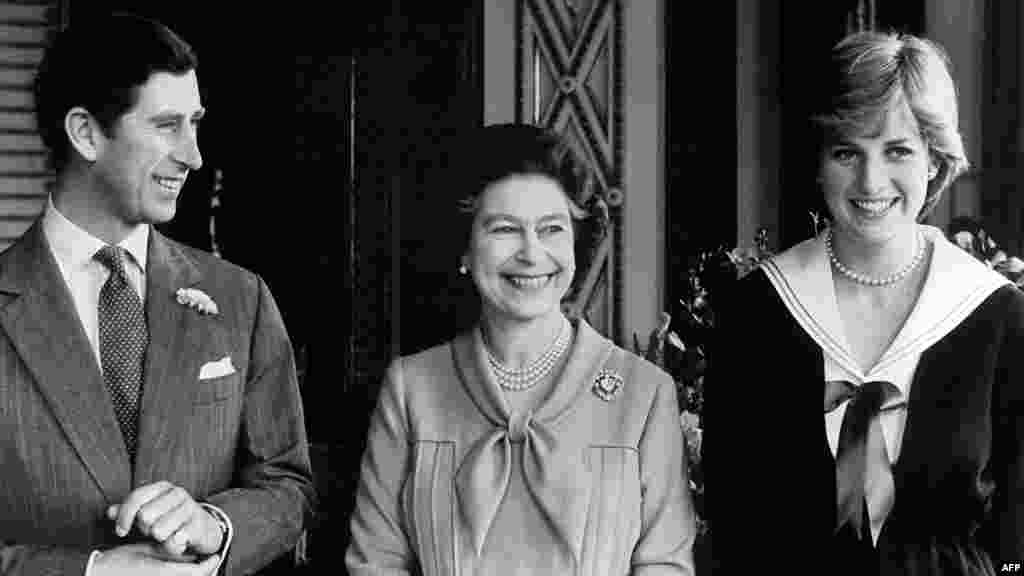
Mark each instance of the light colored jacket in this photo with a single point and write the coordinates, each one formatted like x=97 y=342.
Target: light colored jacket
x=608 y=475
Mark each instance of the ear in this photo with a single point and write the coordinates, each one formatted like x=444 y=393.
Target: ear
x=84 y=133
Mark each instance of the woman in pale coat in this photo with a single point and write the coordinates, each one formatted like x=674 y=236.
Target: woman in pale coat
x=529 y=444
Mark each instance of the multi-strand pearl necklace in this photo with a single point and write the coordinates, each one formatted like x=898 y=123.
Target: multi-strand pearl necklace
x=869 y=280
x=530 y=375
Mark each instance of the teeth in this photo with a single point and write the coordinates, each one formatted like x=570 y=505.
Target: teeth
x=529 y=281
x=169 y=184
x=875 y=206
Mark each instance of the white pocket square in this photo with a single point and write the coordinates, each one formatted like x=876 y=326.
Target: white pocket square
x=216 y=369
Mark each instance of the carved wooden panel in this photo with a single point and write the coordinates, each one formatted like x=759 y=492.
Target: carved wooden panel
x=569 y=78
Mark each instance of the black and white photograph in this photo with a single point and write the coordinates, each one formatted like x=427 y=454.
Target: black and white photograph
x=511 y=288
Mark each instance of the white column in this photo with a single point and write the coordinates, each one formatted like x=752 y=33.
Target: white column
x=499 y=61
x=958 y=25
x=758 y=126
x=643 y=255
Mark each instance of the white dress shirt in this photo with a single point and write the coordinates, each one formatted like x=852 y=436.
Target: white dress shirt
x=73 y=248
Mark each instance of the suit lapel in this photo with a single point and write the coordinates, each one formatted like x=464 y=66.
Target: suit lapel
x=171 y=360
x=39 y=317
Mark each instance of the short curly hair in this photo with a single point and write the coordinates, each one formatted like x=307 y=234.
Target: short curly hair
x=870 y=71
x=492 y=153
x=70 y=74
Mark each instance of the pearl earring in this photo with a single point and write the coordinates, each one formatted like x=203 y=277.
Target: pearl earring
x=463 y=270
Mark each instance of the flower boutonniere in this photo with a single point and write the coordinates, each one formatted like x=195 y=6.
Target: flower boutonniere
x=196 y=299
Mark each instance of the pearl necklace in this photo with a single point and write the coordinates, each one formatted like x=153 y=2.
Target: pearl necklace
x=869 y=280
x=530 y=375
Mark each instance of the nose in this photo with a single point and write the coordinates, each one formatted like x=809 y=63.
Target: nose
x=530 y=250
x=873 y=176
x=187 y=151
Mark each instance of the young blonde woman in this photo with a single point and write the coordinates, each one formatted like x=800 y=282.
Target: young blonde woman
x=876 y=423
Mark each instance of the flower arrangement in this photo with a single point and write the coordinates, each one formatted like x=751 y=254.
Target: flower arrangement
x=680 y=345
x=970 y=235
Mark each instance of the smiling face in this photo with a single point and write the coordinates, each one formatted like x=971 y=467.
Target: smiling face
x=521 y=248
x=143 y=162
x=875 y=184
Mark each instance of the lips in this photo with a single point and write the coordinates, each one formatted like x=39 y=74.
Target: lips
x=874 y=206
x=169 y=185
x=529 y=281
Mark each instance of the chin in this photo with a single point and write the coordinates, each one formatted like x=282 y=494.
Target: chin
x=161 y=214
x=528 y=313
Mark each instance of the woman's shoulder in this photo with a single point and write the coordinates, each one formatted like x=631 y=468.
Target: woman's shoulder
x=645 y=378
x=640 y=365
x=1005 y=303
x=416 y=370
x=424 y=361
x=420 y=384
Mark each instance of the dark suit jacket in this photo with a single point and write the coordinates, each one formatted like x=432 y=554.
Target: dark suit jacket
x=237 y=441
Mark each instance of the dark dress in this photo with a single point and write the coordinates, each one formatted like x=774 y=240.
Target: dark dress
x=959 y=478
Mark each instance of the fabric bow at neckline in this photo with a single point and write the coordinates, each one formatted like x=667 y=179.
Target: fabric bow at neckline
x=555 y=480
x=866 y=401
x=554 y=472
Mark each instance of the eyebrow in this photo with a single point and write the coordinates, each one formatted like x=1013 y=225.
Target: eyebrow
x=497 y=216
x=849 y=142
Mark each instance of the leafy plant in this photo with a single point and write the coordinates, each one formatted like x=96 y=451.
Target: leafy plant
x=680 y=344
x=969 y=234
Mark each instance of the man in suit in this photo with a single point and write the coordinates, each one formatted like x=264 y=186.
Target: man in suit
x=150 y=417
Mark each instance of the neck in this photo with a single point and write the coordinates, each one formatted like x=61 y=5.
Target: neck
x=517 y=343
x=880 y=259
x=78 y=199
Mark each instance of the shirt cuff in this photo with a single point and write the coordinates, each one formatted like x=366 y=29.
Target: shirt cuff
x=88 y=565
x=229 y=531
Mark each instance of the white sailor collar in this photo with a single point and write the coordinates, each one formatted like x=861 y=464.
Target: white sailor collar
x=956 y=284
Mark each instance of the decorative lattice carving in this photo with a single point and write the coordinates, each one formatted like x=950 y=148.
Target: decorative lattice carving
x=569 y=78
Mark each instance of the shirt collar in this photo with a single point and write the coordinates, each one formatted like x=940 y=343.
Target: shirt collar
x=955 y=285
x=75 y=247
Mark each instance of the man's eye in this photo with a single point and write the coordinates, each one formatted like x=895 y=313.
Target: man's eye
x=505 y=229
x=553 y=229
x=167 y=126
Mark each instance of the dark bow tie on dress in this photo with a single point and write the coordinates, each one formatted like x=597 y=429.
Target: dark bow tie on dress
x=866 y=403
x=556 y=479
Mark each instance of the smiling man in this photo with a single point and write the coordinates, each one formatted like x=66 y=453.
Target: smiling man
x=150 y=417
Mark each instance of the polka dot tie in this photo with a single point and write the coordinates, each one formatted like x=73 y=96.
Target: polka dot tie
x=123 y=341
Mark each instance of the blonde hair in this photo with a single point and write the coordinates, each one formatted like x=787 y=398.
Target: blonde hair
x=872 y=71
